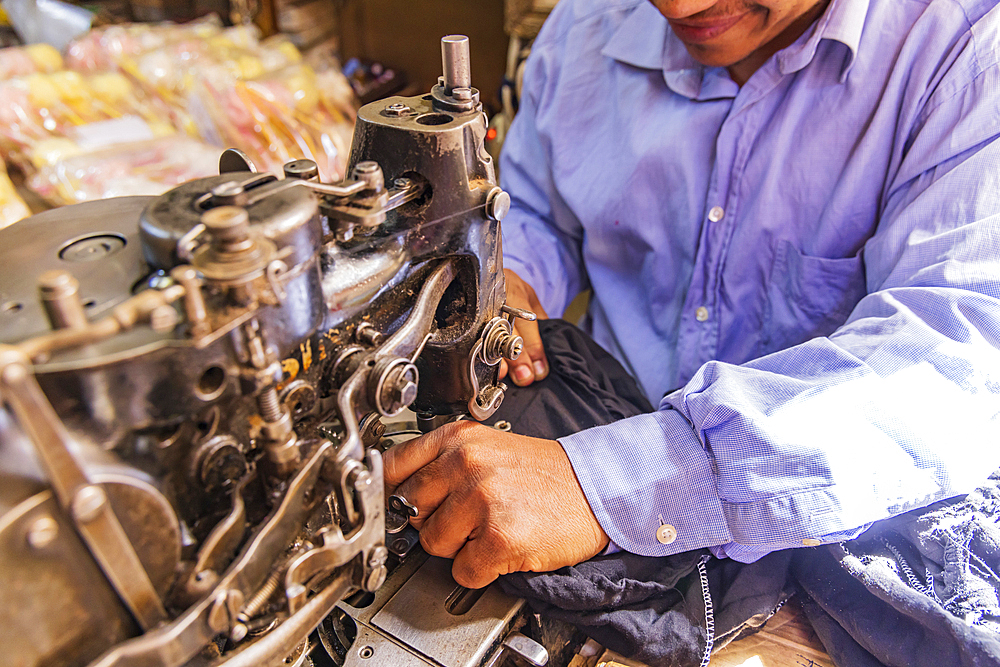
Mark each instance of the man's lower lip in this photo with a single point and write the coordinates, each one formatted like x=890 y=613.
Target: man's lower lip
x=703 y=33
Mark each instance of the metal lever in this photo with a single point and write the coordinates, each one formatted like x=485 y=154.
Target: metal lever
x=524 y=650
x=398 y=514
x=85 y=502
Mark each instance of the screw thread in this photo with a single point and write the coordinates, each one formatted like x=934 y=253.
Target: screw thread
x=267 y=403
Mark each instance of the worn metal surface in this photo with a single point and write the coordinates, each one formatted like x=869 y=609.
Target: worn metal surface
x=419 y=616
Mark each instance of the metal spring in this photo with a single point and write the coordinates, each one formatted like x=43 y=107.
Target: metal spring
x=268 y=404
x=259 y=599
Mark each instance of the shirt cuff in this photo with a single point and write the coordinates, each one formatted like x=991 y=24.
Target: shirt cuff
x=650 y=484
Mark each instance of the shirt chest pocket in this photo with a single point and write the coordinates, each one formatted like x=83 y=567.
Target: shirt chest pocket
x=808 y=296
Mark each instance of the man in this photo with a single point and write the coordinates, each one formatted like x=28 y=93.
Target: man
x=788 y=209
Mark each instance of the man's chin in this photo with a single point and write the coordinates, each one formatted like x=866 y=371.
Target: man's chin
x=710 y=56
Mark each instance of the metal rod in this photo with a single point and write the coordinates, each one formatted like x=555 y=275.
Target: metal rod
x=456 y=62
x=60 y=293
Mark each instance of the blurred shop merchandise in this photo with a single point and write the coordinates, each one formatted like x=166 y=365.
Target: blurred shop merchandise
x=12 y=207
x=139 y=108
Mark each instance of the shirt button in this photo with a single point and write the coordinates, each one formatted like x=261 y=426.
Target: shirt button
x=716 y=214
x=811 y=542
x=701 y=314
x=666 y=534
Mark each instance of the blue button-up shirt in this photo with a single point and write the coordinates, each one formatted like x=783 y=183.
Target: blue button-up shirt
x=814 y=257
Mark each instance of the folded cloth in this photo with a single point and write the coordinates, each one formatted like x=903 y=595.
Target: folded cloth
x=660 y=611
x=920 y=589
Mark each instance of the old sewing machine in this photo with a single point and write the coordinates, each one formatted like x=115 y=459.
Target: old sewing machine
x=193 y=387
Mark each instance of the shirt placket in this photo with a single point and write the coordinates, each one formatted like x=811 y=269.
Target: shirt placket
x=700 y=322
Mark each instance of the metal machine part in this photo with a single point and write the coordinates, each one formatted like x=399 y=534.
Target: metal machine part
x=422 y=618
x=192 y=387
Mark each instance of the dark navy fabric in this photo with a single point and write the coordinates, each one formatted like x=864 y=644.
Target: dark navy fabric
x=920 y=589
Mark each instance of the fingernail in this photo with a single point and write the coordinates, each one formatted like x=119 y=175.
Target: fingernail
x=522 y=374
x=541 y=370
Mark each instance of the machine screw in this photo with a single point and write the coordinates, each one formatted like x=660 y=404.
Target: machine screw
x=376 y=561
x=88 y=503
x=376 y=578
x=366 y=652
x=378 y=557
x=501 y=343
x=400 y=504
x=511 y=347
x=42 y=532
x=228 y=194
x=497 y=204
x=299 y=398
x=366 y=333
x=369 y=172
x=163 y=318
x=396 y=387
x=398 y=110
x=359 y=478
x=229 y=226
x=400 y=394
x=239 y=633
x=305 y=170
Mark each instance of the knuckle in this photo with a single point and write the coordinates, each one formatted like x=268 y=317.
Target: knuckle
x=479 y=497
x=470 y=574
x=432 y=543
x=467 y=458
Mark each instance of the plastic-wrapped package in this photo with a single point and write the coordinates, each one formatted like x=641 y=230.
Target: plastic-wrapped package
x=102 y=49
x=39 y=108
x=141 y=168
x=12 y=207
x=237 y=90
x=280 y=116
x=30 y=59
x=155 y=90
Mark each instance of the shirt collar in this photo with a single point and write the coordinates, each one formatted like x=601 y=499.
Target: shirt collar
x=842 y=22
x=644 y=39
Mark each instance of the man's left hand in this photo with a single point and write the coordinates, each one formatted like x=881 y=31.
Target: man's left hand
x=495 y=502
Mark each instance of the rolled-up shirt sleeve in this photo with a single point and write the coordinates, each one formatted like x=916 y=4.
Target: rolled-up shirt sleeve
x=898 y=408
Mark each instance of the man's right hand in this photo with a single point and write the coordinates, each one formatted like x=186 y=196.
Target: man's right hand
x=532 y=364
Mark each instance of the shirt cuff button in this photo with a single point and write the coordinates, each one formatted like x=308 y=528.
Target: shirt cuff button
x=666 y=534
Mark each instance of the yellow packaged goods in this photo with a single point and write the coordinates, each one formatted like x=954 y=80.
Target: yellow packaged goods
x=278 y=117
x=140 y=168
x=199 y=86
x=256 y=95
x=38 y=108
x=12 y=207
x=22 y=60
x=104 y=48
